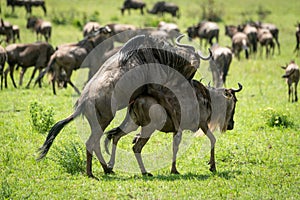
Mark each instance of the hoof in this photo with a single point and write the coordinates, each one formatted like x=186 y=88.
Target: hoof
x=109 y=171
x=213 y=169
x=93 y=177
x=147 y=174
x=174 y=172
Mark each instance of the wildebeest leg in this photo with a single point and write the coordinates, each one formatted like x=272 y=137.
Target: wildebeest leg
x=32 y=76
x=296 y=96
x=176 y=141
x=290 y=91
x=212 y=139
x=44 y=9
x=277 y=42
x=126 y=127
x=98 y=124
x=11 y=73
x=75 y=88
x=142 y=11
x=22 y=72
x=146 y=133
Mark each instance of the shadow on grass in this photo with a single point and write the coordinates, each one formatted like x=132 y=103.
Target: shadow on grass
x=171 y=177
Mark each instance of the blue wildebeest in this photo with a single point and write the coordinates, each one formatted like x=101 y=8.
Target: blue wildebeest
x=161 y=7
x=292 y=76
x=216 y=107
x=3 y=57
x=27 y=4
x=95 y=102
x=219 y=64
x=133 y=4
x=204 y=30
x=40 y=27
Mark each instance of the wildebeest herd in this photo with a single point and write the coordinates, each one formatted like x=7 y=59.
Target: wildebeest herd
x=142 y=50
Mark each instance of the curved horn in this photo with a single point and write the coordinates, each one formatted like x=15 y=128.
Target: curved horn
x=205 y=58
x=177 y=42
x=237 y=90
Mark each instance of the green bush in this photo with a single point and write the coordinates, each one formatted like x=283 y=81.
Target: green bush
x=41 y=117
x=275 y=118
x=71 y=158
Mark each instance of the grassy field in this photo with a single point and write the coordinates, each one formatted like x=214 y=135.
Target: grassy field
x=259 y=159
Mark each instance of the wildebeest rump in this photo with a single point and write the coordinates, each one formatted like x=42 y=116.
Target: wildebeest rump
x=26 y=55
x=95 y=100
x=215 y=105
x=292 y=76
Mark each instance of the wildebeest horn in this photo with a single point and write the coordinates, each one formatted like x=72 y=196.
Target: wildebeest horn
x=177 y=42
x=237 y=90
x=205 y=58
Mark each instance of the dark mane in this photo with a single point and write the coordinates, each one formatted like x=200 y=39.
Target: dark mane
x=144 y=49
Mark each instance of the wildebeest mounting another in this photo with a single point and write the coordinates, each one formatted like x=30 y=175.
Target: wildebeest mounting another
x=96 y=97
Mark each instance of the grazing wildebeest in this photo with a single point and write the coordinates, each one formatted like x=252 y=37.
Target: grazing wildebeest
x=133 y=4
x=95 y=102
x=116 y=29
x=219 y=64
x=40 y=27
x=90 y=27
x=204 y=30
x=3 y=57
x=216 y=107
x=27 y=4
x=273 y=30
x=265 y=39
x=26 y=55
x=297 y=48
x=161 y=7
x=251 y=33
x=292 y=75
x=70 y=57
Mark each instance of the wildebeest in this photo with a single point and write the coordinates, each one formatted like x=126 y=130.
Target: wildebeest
x=292 y=76
x=216 y=107
x=27 y=4
x=219 y=64
x=26 y=55
x=161 y=7
x=204 y=30
x=6 y=29
x=265 y=39
x=69 y=57
x=40 y=27
x=251 y=33
x=273 y=30
x=133 y=4
x=171 y=29
x=3 y=57
x=239 y=40
x=297 y=48
x=95 y=102
x=90 y=27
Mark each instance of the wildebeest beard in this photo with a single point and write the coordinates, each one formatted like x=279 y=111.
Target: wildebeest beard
x=146 y=49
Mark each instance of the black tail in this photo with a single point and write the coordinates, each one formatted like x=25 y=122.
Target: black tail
x=110 y=135
x=54 y=132
x=49 y=68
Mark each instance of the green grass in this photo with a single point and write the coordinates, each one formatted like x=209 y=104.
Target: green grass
x=254 y=161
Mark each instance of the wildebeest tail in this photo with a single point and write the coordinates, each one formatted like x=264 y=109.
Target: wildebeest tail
x=246 y=48
x=289 y=73
x=109 y=135
x=54 y=131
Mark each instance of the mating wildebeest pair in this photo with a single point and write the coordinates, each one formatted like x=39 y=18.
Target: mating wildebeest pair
x=103 y=94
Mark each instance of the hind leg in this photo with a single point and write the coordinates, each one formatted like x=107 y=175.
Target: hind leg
x=176 y=141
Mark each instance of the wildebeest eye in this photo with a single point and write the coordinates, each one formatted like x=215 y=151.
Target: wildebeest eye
x=227 y=94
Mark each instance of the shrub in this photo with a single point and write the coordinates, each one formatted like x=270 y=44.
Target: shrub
x=41 y=117
x=275 y=118
x=210 y=12
x=71 y=158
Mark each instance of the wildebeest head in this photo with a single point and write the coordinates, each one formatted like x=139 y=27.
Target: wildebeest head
x=223 y=108
x=31 y=22
x=192 y=32
x=230 y=109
